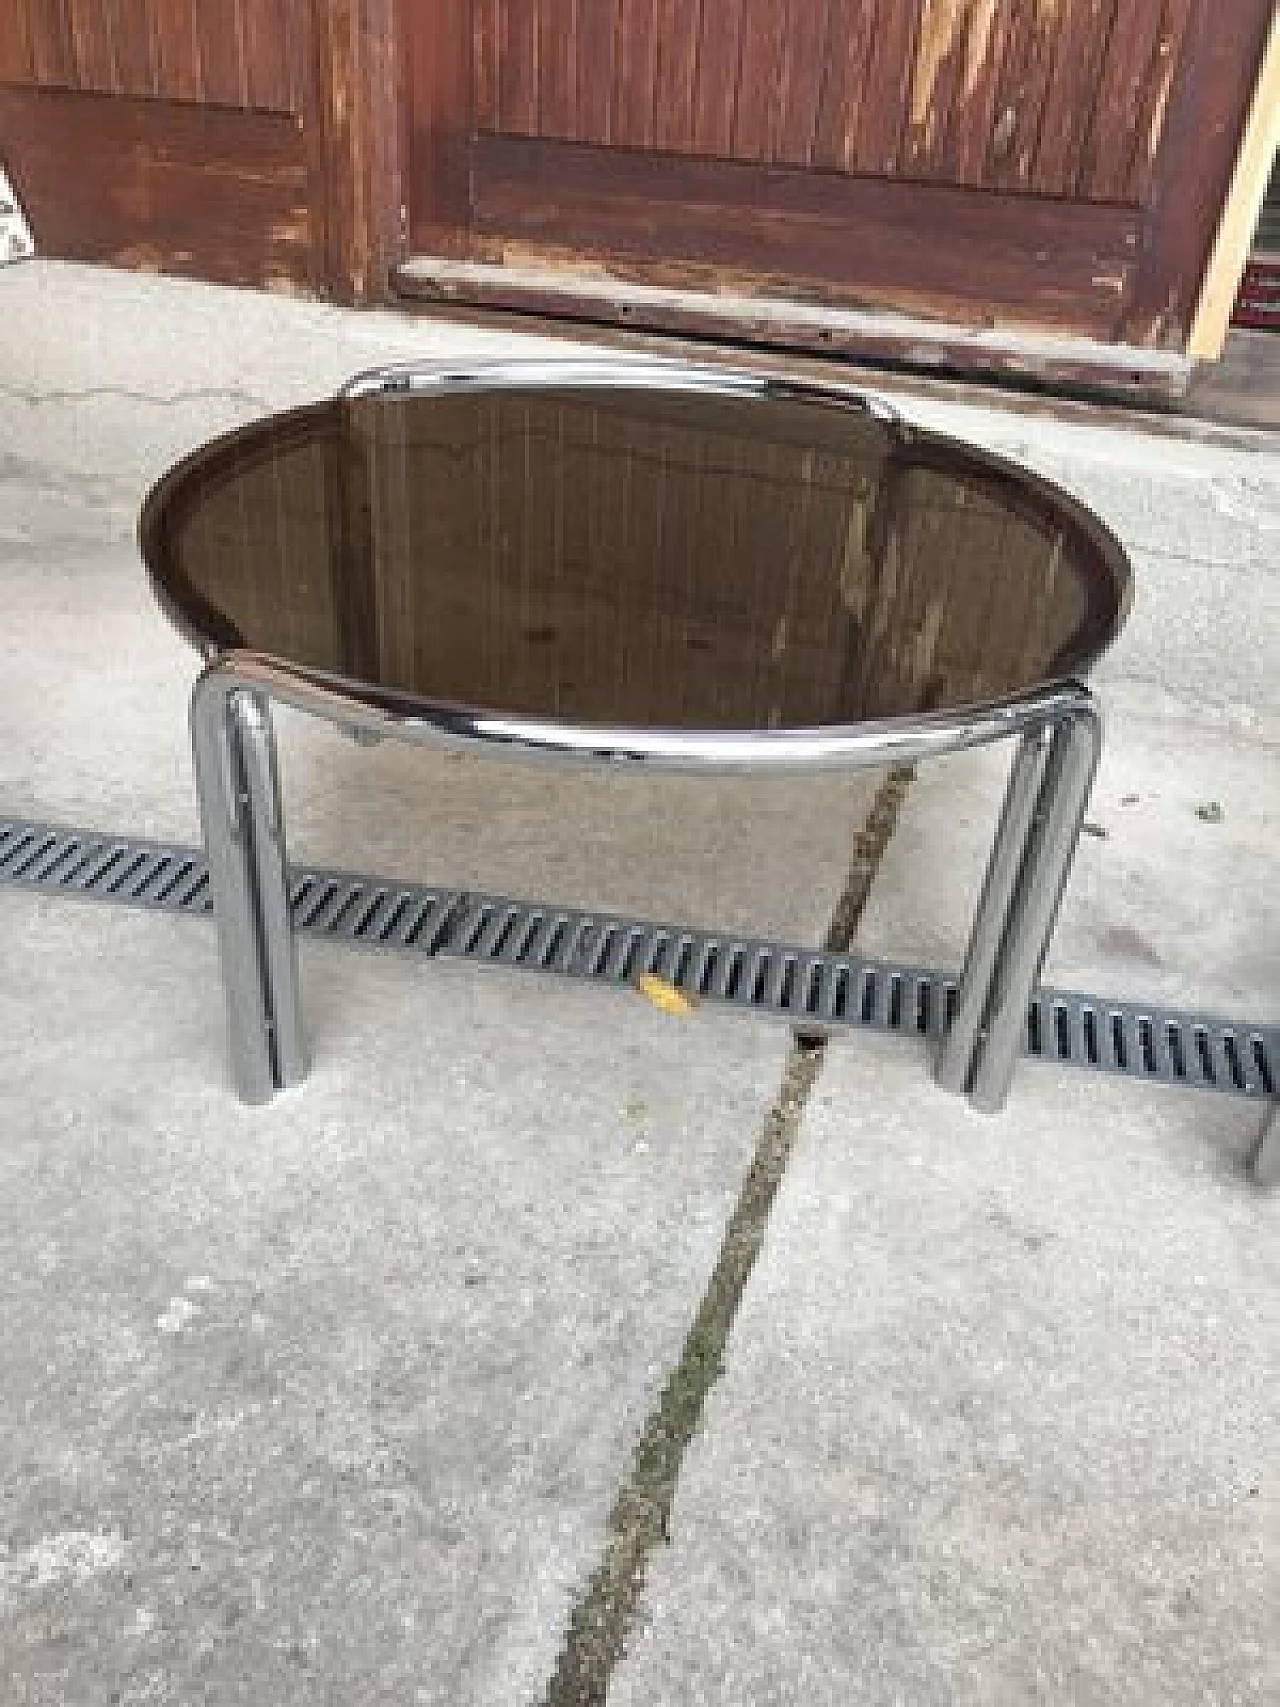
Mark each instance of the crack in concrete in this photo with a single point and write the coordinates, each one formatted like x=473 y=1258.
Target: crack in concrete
x=161 y=400
x=604 y=1615
x=869 y=847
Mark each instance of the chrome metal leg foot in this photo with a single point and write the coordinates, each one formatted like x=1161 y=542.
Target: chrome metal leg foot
x=1264 y=1158
x=1039 y=830
x=238 y=786
x=956 y=1057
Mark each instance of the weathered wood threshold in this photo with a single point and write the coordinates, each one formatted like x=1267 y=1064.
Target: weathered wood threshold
x=931 y=346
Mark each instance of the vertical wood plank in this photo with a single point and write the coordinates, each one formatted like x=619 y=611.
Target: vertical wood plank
x=220 y=40
x=1106 y=159
x=934 y=87
x=518 y=67
x=1170 y=63
x=441 y=99
x=719 y=56
x=486 y=39
x=1132 y=101
x=177 y=51
x=17 y=58
x=796 y=116
x=679 y=24
x=597 y=43
x=635 y=74
x=888 y=80
x=92 y=48
x=558 y=68
x=52 y=56
x=361 y=95
x=846 y=61
x=266 y=81
x=299 y=27
x=956 y=68
x=326 y=122
x=131 y=34
x=1084 y=44
x=1024 y=79
x=759 y=79
x=975 y=114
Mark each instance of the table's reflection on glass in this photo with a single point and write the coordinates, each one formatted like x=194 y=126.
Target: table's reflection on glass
x=650 y=559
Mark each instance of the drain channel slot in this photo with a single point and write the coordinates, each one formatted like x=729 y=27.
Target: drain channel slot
x=802 y=986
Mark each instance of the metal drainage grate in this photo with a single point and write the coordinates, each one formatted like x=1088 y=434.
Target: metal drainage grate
x=802 y=986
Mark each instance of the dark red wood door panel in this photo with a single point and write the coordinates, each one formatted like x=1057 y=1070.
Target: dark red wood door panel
x=1055 y=163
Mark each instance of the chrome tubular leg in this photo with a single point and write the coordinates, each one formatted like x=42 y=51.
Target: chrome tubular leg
x=956 y=1055
x=220 y=783
x=252 y=716
x=1264 y=1158
x=1050 y=848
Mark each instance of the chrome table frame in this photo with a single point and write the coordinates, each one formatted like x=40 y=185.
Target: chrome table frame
x=1057 y=729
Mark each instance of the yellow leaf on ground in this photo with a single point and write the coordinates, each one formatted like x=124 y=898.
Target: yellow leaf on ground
x=664 y=996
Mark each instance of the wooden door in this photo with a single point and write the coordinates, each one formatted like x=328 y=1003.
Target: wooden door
x=255 y=141
x=162 y=134
x=1048 y=163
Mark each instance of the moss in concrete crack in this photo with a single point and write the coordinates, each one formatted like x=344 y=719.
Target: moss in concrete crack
x=638 y=1523
x=602 y=1620
x=868 y=851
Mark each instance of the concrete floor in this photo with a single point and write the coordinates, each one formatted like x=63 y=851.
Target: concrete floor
x=338 y=1401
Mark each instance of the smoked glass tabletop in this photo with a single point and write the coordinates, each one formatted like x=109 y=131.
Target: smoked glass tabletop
x=651 y=557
